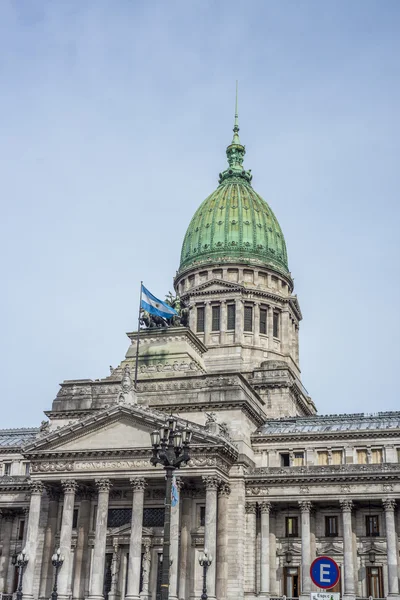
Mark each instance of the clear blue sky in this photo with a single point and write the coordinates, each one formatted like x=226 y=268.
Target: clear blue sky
x=115 y=116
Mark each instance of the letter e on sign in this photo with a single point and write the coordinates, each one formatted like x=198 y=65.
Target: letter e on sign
x=324 y=572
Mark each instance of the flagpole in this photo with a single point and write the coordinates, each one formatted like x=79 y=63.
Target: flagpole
x=138 y=335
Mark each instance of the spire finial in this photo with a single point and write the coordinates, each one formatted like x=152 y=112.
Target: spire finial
x=236 y=139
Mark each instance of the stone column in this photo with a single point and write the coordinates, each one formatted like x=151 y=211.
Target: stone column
x=69 y=487
x=32 y=537
x=250 y=548
x=145 y=593
x=210 y=530
x=184 y=559
x=192 y=317
x=174 y=544
x=82 y=550
x=239 y=325
x=349 y=586
x=207 y=323
x=305 y=507
x=285 y=346
x=222 y=541
x=223 y=322
x=265 y=509
x=270 y=327
x=135 y=544
x=99 y=550
x=393 y=581
x=7 y=519
x=46 y=577
x=256 y=309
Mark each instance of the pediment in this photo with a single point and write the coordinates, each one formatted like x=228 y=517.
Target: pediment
x=215 y=285
x=120 y=427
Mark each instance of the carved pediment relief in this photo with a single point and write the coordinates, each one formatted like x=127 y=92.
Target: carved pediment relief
x=330 y=548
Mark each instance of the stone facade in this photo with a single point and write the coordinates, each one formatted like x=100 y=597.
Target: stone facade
x=270 y=484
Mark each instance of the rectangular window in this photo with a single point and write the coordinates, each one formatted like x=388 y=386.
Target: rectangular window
x=331 y=526
x=231 y=315
x=285 y=459
x=7 y=468
x=75 y=518
x=398 y=455
x=202 y=516
x=275 y=323
x=337 y=457
x=372 y=525
x=298 y=459
x=376 y=456
x=292 y=527
x=248 y=318
x=323 y=458
x=21 y=529
x=374 y=582
x=362 y=457
x=191 y=281
x=215 y=325
x=291 y=582
x=200 y=319
x=263 y=320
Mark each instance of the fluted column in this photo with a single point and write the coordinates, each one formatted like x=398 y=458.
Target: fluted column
x=265 y=509
x=135 y=544
x=250 y=547
x=184 y=558
x=305 y=507
x=222 y=541
x=393 y=581
x=49 y=541
x=210 y=530
x=99 y=550
x=82 y=550
x=349 y=586
x=69 y=487
x=7 y=518
x=174 y=544
x=32 y=536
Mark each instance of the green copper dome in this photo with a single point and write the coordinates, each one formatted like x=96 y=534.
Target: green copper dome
x=234 y=224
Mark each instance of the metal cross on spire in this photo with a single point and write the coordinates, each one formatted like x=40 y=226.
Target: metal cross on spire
x=236 y=139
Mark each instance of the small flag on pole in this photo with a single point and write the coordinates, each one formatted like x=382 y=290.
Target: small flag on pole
x=154 y=306
x=174 y=492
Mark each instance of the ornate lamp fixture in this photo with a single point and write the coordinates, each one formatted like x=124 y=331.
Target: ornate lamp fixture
x=205 y=561
x=171 y=450
x=21 y=562
x=57 y=561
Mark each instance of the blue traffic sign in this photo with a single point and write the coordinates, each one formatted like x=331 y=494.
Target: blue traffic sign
x=324 y=572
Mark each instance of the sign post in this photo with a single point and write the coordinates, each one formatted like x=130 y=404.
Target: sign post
x=325 y=574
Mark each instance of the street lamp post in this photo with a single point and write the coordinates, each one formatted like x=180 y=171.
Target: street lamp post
x=205 y=561
x=57 y=561
x=21 y=562
x=171 y=450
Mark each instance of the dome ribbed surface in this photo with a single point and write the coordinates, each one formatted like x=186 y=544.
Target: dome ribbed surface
x=234 y=224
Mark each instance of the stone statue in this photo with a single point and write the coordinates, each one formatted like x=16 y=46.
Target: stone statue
x=149 y=321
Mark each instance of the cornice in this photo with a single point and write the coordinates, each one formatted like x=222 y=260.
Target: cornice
x=14 y=484
x=274 y=438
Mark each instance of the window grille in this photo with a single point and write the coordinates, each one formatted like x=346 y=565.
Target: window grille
x=200 y=319
x=215 y=325
x=372 y=525
x=263 y=320
x=331 y=526
x=118 y=517
x=292 y=527
x=153 y=517
x=276 y=325
x=231 y=317
x=248 y=318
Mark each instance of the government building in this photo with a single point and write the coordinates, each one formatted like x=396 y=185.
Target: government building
x=270 y=485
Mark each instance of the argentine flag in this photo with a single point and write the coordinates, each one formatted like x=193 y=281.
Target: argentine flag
x=174 y=492
x=154 y=306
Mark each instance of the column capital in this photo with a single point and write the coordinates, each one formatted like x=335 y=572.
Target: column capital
x=69 y=486
x=250 y=508
x=53 y=492
x=224 y=489
x=265 y=507
x=138 y=483
x=305 y=506
x=36 y=487
x=389 y=504
x=7 y=514
x=346 y=505
x=103 y=484
x=211 y=482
